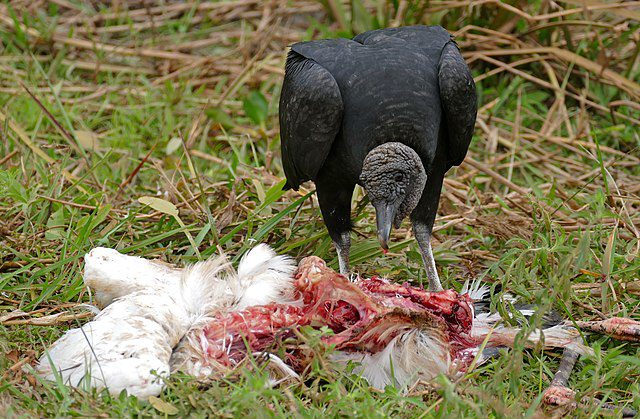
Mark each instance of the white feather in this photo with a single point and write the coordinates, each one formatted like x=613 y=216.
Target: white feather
x=509 y=298
x=149 y=309
x=208 y=286
x=118 y=350
x=110 y=274
x=265 y=277
x=476 y=289
x=410 y=356
x=278 y=369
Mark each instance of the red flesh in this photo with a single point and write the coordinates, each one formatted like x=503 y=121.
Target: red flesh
x=364 y=316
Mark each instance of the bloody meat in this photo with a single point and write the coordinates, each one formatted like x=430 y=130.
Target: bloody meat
x=364 y=316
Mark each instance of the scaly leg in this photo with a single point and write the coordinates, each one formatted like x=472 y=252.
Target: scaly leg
x=424 y=215
x=558 y=394
x=423 y=237
x=335 y=204
x=343 y=244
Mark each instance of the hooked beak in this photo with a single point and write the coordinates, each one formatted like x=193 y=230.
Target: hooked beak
x=384 y=217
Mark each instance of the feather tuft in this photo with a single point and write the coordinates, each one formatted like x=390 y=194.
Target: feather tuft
x=208 y=286
x=475 y=289
x=265 y=277
x=415 y=354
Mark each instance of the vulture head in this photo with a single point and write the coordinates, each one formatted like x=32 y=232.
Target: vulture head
x=393 y=176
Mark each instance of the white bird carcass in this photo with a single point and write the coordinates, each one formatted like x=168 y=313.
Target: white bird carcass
x=208 y=319
x=149 y=308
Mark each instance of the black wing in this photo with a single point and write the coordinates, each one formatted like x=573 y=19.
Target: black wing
x=459 y=101
x=310 y=116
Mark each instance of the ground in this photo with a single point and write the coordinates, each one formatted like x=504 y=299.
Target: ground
x=101 y=106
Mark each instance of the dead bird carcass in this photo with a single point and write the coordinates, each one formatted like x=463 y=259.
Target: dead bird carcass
x=208 y=319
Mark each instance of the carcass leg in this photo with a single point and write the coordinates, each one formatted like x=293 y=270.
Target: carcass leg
x=619 y=328
x=560 y=396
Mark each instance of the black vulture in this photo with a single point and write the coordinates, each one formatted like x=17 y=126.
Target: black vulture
x=391 y=110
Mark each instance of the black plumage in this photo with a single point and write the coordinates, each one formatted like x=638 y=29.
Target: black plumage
x=343 y=98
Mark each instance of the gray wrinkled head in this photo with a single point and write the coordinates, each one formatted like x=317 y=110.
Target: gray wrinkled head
x=393 y=176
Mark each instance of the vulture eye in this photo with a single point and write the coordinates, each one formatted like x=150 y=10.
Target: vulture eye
x=398 y=177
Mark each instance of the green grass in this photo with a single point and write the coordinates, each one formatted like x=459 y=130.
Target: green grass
x=566 y=238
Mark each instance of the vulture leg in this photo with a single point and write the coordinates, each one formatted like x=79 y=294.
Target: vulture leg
x=335 y=204
x=423 y=237
x=343 y=244
x=458 y=98
x=423 y=218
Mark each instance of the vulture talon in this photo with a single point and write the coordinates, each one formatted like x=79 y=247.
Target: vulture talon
x=391 y=110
